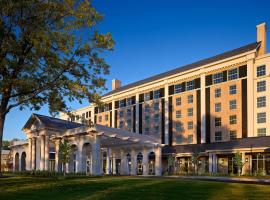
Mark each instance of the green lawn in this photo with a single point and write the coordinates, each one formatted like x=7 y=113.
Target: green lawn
x=126 y=188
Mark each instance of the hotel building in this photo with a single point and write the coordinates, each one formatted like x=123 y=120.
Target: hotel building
x=209 y=109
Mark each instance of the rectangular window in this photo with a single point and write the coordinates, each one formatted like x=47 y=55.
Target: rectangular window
x=106 y=108
x=217 y=93
x=233 y=104
x=218 y=136
x=261 y=102
x=190 y=112
x=261 y=117
x=190 y=138
x=129 y=112
x=178 y=101
x=261 y=131
x=129 y=101
x=233 y=135
x=179 y=126
x=147 y=96
x=156 y=129
x=232 y=89
x=233 y=74
x=261 y=86
x=106 y=118
x=147 y=119
x=218 y=78
x=121 y=113
x=156 y=94
x=190 y=98
x=156 y=118
x=146 y=108
x=129 y=123
x=121 y=124
x=233 y=119
x=122 y=103
x=156 y=106
x=218 y=121
x=217 y=107
x=178 y=139
x=86 y=114
x=190 y=85
x=100 y=119
x=261 y=70
x=178 y=88
x=83 y=116
x=190 y=125
x=178 y=114
x=146 y=130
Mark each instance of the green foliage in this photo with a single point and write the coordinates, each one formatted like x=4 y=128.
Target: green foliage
x=237 y=159
x=64 y=151
x=6 y=145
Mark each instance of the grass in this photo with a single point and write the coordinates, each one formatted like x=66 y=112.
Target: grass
x=83 y=188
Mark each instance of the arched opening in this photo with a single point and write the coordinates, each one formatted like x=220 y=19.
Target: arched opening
x=72 y=159
x=86 y=158
x=23 y=162
x=139 y=164
x=151 y=160
x=128 y=163
x=17 y=157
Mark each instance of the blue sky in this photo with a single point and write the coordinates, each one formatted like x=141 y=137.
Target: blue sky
x=153 y=36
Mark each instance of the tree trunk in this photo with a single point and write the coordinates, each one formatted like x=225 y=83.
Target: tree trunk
x=2 y=122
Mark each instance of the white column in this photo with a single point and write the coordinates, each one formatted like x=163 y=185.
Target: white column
x=166 y=98
x=243 y=161
x=158 y=161
x=33 y=151
x=79 y=156
x=133 y=162
x=145 y=162
x=29 y=154
x=114 y=162
x=123 y=163
x=113 y=114
x=14 y=161
x=108 y=161
x=42 y=151
x=214 y=163
x=203 y=110
x=46 y=152
x=96 y=162
x=250 y=96
x=37 y=153
x=137 y=112
x=210 y=163
x=57 y=161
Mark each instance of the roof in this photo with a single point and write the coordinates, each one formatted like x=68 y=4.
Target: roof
x=251 y=142
x=52 y=122
x=194 y=65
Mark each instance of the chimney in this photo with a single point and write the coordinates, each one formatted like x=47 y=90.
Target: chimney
x=116 y=84
x=261 y=37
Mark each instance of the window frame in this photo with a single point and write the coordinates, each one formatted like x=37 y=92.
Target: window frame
x=233 y=76
x=260 y=72
x=217 y=78
x=232 y=89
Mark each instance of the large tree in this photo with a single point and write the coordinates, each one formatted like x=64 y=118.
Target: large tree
x=50 y=53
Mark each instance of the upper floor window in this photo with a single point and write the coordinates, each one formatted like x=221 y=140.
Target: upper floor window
x=218 y=78
x=233 y=74
x=233 y=119
x=129 y=101
x=218 y=121
x=121 y=124
x=217 y=107
x=190 y=85
x=178 y=101
x=146 y=130
x=218 y=136
x=83 y=116
x=106 y=118
x=179 y=126
x=261 y=86
x=190 y=138
x=122 y=103
x=190 y=98
x=233 y=104
x=178 y=114
x=100 y=119
x=129 y=112
x=106 y=108
x=261 y=70
x=261 y=102
x=261 y=131
x=146 y=108
x=261 y=117
x=129 y=123
x=190 y=112
x=178 y=88
x=217 y=92
x=147 y=119
x=86 y=114
x=121 y=113
x=147 y=96
x=77 y=117
x=178 y=139
x=156 y=94
x=190 y=125
x=232 y=89
x=233 y=135
x=156 y=129
x=156 y=106
x=156 y=118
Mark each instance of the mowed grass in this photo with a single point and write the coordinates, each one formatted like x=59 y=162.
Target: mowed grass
x=126 y=188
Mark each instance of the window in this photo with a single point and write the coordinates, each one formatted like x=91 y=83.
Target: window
x=190 y=85
x=233 y=119
x=146 y=108
x=106 y=108
x=261 y=86
x=261 y=131
x=122 y=103
x=178 y=88
x=146 y=130
x=190 y=98
x=217 y=93
x=218 y=136
x=147 y=96
x=156 y=94
x=233 y=74
x=261 y=102
x=147 y=119
x=190 y=138
x=156 y=118
x=121 y=113
x=129 y=101
x=178 y=101
x=261 y=70
x=233 y=135
x=261 y=117
x=156 y=129
x=218 y=121
x=178 y=139
x=190 y=125
x=129 y=112
x=83 y=116
x=86 y=114
x=178 y=114
x=77 y=117
x=106 y=118
x=232 y=104
x=121 y=124
x=129 y=123
x=156 y=106
x=232 y=89
x=218 y=78
x=100 y=119
x=190 y=112
x=179 y=126
x=217 y=107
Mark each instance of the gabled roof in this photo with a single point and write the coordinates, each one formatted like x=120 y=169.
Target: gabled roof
x=51 y=122
x=194 y=65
